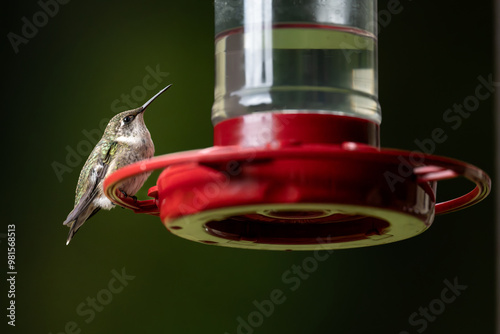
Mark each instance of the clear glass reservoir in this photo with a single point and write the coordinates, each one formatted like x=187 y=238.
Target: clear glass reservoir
x=296 y=56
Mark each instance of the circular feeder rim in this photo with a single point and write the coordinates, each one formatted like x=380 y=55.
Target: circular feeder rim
x=433 y=168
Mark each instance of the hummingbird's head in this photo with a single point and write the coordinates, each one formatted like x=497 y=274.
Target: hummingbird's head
x=130 y=123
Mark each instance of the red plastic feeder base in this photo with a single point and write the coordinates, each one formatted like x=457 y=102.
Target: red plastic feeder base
x=293 y=181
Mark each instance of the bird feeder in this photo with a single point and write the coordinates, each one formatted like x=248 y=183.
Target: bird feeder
x=296 y=160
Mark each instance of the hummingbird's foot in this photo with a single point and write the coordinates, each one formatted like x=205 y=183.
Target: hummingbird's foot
x=127 y=195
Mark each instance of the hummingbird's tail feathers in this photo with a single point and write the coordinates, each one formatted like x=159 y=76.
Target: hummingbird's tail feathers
x=76 y=223
x=70 y=219
x=86 y=208
x=73 y=228
x=80 y=209
x=71 y=233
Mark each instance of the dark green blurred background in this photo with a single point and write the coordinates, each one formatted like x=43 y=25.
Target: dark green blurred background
x=64 y=81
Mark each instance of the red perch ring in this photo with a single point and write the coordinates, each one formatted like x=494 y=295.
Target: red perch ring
x=292 y=193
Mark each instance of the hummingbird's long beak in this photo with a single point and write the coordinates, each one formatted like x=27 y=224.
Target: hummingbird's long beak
x=145 y=105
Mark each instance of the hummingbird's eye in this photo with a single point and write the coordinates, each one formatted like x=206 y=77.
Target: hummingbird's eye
x=128 y=119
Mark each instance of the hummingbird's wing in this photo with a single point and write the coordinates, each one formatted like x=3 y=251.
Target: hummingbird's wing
x=85 y=207
x=99 y=158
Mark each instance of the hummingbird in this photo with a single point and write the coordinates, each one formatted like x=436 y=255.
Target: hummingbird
x=126 y=140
